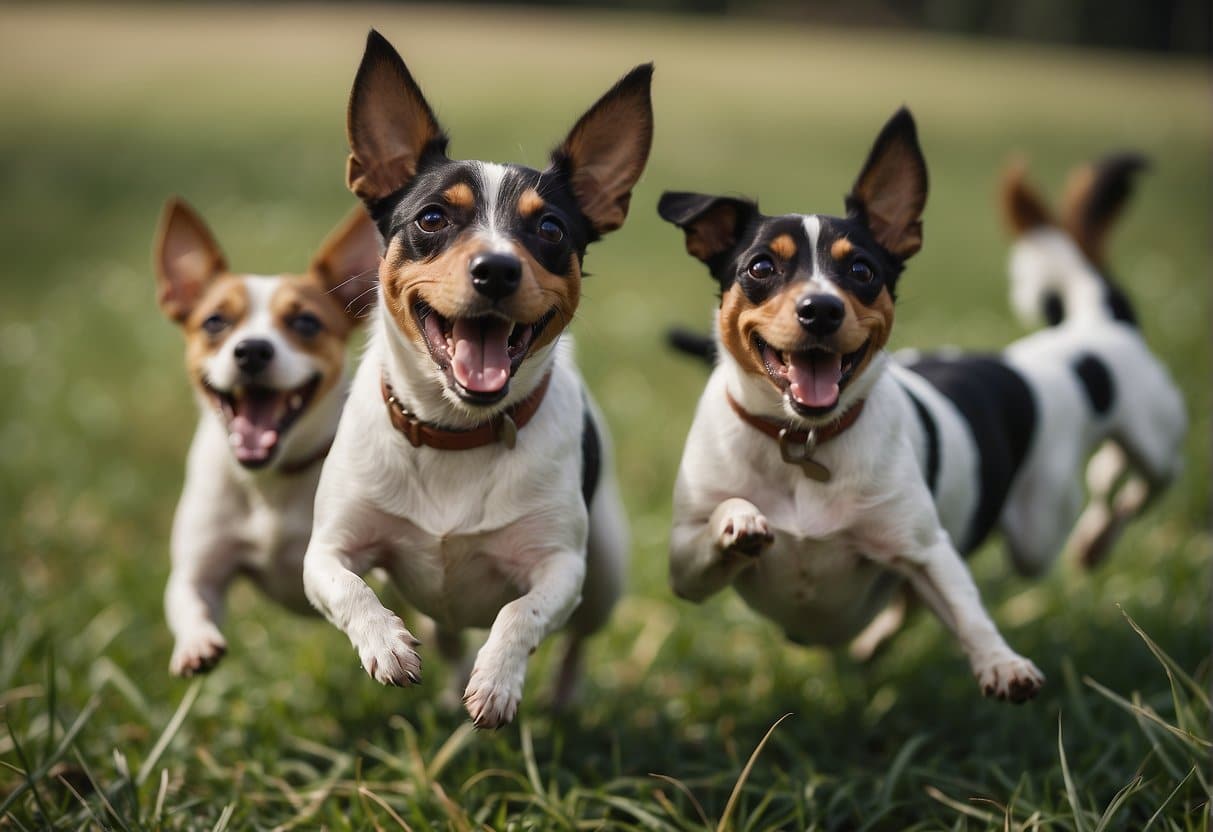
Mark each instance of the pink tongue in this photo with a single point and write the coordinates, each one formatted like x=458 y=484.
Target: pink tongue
x=252 y=435
x=481 y=361
x=814 y=377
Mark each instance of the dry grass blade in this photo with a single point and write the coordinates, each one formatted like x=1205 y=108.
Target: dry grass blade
x=1169 y=664
x=170 y=731
x=1150 y=715
x=1080 y=822
x=454 y=744
x=959 y=806
x=682 y=787
x=745 y=774
x=363 y=791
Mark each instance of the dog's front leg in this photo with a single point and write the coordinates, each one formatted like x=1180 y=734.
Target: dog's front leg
x=495 y=686
x=941 y=579
x=706 y=557
x=193 y=606
x=333 y=584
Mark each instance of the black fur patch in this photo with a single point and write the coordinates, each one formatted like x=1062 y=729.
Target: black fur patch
x=1053 y=309
x=931 y=431
x=591 y=457
x=1002 y=416
x=1096 y=382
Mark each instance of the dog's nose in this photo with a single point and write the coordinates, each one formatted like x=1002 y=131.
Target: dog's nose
x=495 y=275
x=820 y=314
x=253 y=355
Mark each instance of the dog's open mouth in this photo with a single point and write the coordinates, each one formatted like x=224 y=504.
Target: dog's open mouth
x=811 y=379
x=257 y=417
x=479 y=355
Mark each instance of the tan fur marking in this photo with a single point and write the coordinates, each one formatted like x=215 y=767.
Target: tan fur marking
x=460 y=195
x=530 y=203
x=308 y=294
x=774 y=320
x=444 y=284
x=225 y=295
x=841 y=248
x=784 y=246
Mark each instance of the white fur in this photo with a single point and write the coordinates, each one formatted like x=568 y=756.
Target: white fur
x=484 y=538
x=231 y=520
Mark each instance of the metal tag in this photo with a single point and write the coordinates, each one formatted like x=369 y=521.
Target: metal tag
x=802 y=455
x=507 y=431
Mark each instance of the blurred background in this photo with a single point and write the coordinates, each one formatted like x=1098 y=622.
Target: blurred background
x=107 y=110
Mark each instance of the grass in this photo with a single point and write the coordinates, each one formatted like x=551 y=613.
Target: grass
x=104 y=112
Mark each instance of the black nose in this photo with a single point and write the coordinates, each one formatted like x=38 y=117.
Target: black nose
x=253 y=355
x=820 y=314
x=495 y=275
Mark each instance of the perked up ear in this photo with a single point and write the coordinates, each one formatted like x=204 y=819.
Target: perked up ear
x=712 y=223
x=348 y=263
x=187 y=259
x=891 y=191
x=1095 y=195
x=605 y=152
x=1023 y=208
x=389 y=124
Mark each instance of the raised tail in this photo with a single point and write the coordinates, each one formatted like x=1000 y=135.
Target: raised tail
x=1059 y=262
x=694 y=344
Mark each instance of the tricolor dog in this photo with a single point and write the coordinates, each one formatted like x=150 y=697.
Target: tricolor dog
x=818 y=477
x=266 y=355
x=470 y=463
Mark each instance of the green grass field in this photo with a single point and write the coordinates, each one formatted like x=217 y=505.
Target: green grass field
x=105 y=112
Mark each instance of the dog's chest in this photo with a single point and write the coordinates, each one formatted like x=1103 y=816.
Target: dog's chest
x=277 y=534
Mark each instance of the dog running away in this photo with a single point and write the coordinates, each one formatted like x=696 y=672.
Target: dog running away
x=470 y=463
x=267 y=356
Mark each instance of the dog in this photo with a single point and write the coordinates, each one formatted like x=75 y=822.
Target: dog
x=819 y=477
x=471 y=464
x=266 y=357
x=1130 y=407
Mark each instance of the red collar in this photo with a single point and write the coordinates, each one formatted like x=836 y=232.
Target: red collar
x=503 y=428
x=797 y=446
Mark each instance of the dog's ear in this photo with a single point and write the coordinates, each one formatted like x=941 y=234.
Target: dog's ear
x=1023 y=208
x=1094 y=196
x=605 y=152
x=389 y=124
x=347 y=263
x=891 y=191
x=713 y=224
x=186 y=259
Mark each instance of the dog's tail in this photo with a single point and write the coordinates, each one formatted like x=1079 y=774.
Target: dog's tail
x=694 y=344
x=1059 y=264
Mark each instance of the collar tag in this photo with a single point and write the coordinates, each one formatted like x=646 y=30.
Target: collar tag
x=507 y=431
x=802 y=455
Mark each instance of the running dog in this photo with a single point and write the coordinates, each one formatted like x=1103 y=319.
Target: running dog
x=470 y=463
x=266 y=355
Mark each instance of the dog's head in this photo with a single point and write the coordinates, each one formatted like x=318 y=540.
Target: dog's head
x=1059 y=261
x=807 y=300
x=483 y=265
x=262 y=349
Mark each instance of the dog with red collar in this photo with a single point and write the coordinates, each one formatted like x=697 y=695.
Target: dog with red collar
x=471 y=465
x=810 y=482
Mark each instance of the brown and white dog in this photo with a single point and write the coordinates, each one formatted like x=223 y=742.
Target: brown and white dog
x=266 y=355
x=470 y=463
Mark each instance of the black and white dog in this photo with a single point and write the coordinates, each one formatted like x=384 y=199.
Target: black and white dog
x=819 y=476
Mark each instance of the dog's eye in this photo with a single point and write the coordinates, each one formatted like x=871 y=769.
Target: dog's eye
x=215 y=324
x=762 y=268
x=862 y=272
x=432 y=219
x=551 y=230
x=306 y=325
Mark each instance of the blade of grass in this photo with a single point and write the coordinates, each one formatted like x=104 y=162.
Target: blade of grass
x=68 y=738
x=682 y=787
x=745 y=774
x=1158 y=813
x=1080 y=822
x=1169 y=664
x=170 y=731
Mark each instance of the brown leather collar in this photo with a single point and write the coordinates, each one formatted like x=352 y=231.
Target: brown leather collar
x=776 y=430
x=290 y=469
x=503 y=428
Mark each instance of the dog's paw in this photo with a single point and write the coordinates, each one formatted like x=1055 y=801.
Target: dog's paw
x=1010 y=679
x=743 y=530
x=493 y=693
x=388 y=652
x=197 y=651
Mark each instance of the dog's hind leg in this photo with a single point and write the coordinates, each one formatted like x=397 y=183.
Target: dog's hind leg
x=606 y=572
x=883 y=627
x=1107 y=512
